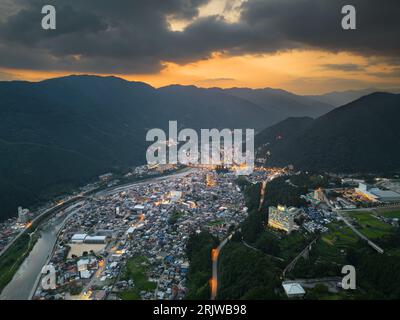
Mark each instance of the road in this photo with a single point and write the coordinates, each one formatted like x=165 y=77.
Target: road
x=389 y=206
x=262 y=195
x=358 y=233
x=214 y=258
x=292 y=264
x=120 y=188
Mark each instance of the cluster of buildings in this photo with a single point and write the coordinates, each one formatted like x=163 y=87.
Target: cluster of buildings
x=376 y=194
x=358 y=193
x=8 y=231
x=12 y=227
x=312 y=219
x=355 y=193
x=152 y=220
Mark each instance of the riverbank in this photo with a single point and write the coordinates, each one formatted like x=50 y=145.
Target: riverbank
x=12 y=259
x=44 y=252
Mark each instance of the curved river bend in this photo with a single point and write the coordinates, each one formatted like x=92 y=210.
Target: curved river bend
x=24 y=280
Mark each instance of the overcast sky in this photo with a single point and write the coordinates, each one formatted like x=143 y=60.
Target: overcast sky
x=297 y=45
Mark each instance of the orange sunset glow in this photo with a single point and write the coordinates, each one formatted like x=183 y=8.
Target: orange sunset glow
x=234 y=51
x=297 y=71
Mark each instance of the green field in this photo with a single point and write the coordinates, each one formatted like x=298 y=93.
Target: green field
x=292 y=244
x=340 y=235
x=333 y=244
x=390 y=214
x=129 y=295
x=369 y=225
x=136 y=269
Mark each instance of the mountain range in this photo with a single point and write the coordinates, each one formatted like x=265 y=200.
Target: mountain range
x=361 y=136
x=60 y=133
x=340 y=98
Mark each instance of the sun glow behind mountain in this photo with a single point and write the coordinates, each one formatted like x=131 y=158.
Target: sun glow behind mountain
x=236 y=43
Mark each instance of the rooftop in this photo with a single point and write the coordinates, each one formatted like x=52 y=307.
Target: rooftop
x=293 y=289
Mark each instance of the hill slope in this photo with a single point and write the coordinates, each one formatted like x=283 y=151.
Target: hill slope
x=63 y=131
x=340 y=98
x=284 y=104
x=359 y=137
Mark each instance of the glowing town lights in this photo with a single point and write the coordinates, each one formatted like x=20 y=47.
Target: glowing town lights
x=281 y=208
x=210 y=181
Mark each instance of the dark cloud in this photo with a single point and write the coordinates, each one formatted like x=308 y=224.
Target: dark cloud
x=393 y=73
x=133 y=36
x=346 y=67
x=7 y=8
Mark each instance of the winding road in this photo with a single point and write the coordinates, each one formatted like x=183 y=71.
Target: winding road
x=214 y=257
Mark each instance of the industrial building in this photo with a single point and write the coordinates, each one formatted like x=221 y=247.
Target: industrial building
x=78 y=237
x=84 y=238
x=377 y=194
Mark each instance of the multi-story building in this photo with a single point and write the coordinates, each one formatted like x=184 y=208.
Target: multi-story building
x=319 y=195
x=23 y=215
x=282 y=218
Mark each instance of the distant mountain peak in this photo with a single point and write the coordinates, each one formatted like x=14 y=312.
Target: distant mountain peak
x=361 y=136
x=340 y=98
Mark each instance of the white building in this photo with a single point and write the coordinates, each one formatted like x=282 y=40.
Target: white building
x=138 y=208
x=23 y=215
x=95 y=239
x=175 y=196
x=82 y=264
x=78 y=237
x=293 y=290
x=84 y=238
x=376 y=194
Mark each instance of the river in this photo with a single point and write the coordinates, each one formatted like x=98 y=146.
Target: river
x=24 y=280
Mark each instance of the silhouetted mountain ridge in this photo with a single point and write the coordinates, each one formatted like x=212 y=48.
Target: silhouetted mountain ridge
x=61 y=132
x=361 y=136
